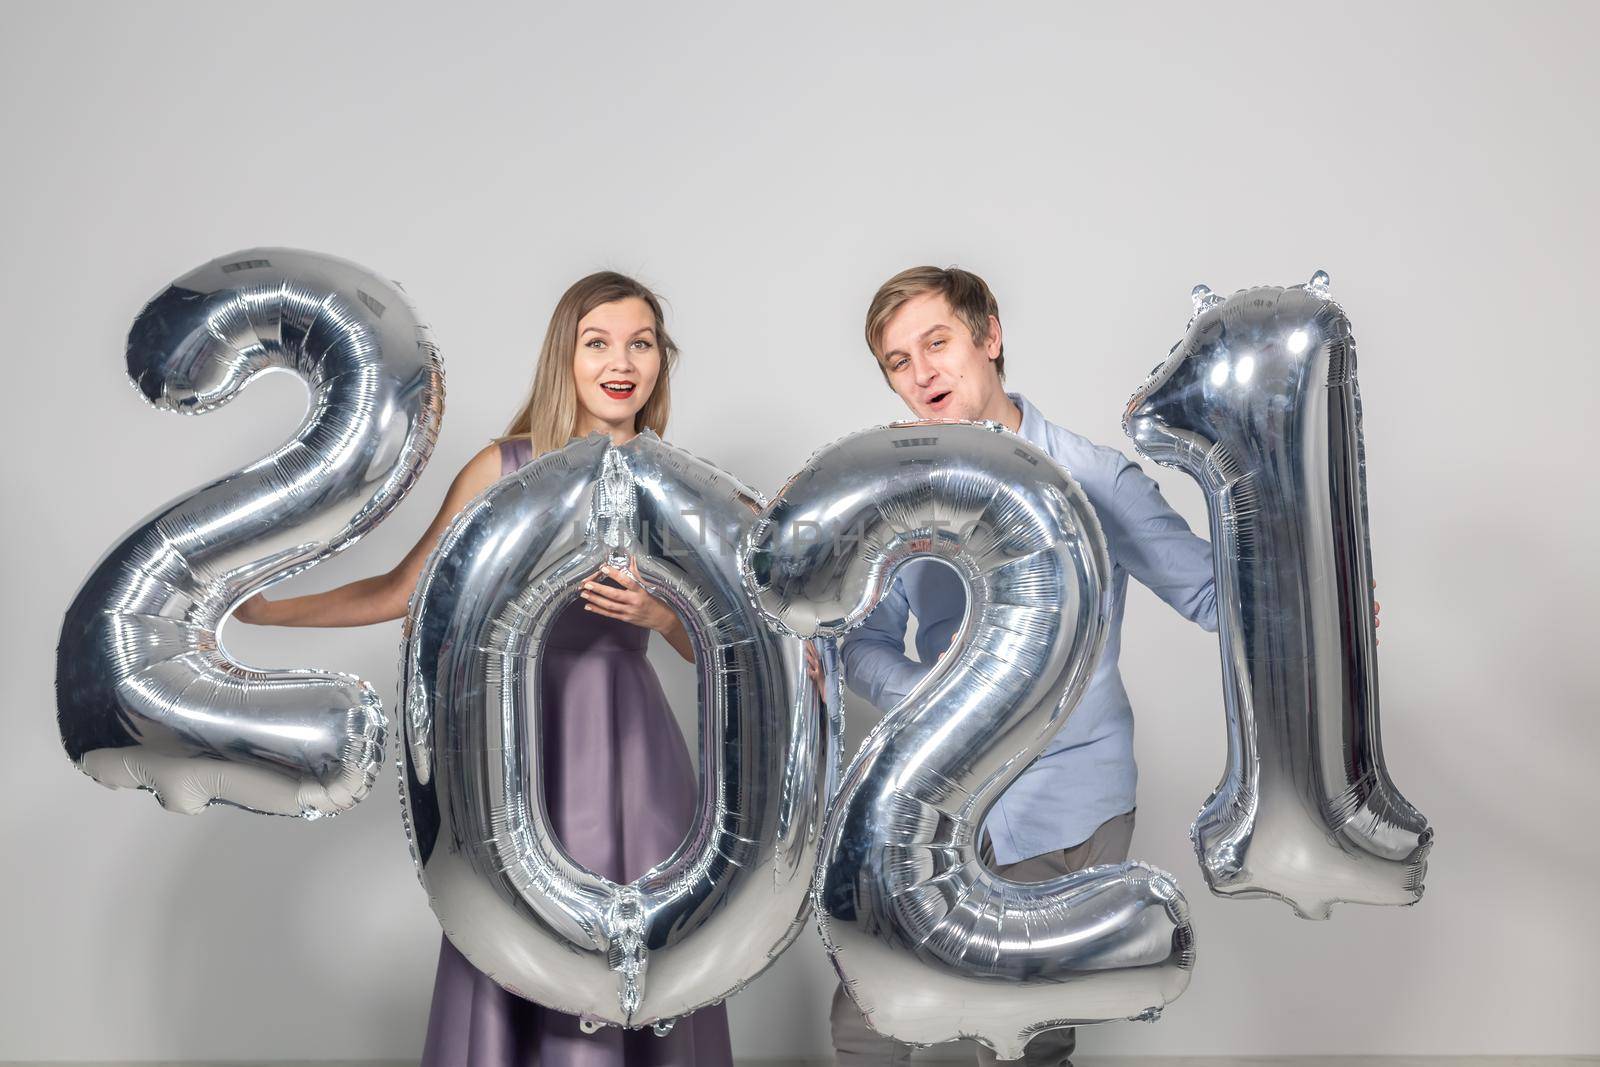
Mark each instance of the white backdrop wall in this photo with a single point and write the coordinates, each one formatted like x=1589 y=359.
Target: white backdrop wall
x=766 y=167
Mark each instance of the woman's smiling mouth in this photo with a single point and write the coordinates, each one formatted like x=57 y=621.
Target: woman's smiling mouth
x=620 y=390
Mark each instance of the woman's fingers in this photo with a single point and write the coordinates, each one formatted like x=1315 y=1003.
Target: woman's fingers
x=615 y=599
x=630 y=603
x=610 y=613
x=629 y=578
x=596 y=593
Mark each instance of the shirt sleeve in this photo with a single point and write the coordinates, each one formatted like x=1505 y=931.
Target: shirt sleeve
x=876 y=666
x=1155 y=545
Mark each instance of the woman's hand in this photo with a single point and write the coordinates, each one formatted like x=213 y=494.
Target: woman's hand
x=383 y=596
x=631 y=603
x=253 y=611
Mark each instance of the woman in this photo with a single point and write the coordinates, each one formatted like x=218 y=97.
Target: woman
x=619 y=784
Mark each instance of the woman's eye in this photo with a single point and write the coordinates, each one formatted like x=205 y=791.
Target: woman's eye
x=595 y=342
x=641 y=344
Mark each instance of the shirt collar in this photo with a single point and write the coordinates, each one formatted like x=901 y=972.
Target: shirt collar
x=1032 y=428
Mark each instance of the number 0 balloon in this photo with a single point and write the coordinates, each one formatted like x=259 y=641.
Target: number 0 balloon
x=931 y=944
x=145 y=695
x=1258 y=403
x=704 y=921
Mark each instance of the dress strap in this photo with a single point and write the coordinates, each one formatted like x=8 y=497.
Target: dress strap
x=515 y=454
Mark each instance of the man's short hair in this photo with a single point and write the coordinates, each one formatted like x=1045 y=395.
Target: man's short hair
x=967 y=294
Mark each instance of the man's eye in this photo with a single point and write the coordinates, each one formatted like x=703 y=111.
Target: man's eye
x=936 y=342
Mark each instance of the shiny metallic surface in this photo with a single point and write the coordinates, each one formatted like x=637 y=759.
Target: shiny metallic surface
x=1259 y=404
x=931 y=944
x=146 y=696
x=706 y=920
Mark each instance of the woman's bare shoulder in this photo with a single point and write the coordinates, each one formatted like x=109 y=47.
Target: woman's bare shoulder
x=482 y=470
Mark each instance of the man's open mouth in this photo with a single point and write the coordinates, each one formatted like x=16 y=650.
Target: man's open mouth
x=938 y=399
x=620 y=390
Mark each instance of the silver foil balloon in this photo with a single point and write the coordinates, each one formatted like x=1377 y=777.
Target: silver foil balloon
x=704 y=921
x=146 y=697
x=931 y=944
x=1258 y=403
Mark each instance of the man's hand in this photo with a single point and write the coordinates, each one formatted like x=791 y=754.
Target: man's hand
x=631 y=603
x=814 y=670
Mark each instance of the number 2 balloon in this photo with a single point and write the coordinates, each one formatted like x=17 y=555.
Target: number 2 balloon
x=930 y=943
x=145 y=695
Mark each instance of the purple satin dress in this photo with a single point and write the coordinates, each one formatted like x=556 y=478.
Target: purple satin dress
x=620 y=789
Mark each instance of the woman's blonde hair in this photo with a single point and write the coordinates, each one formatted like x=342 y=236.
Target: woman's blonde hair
x=550 y=414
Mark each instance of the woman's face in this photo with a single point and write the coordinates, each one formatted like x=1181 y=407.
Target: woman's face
x=617 y=361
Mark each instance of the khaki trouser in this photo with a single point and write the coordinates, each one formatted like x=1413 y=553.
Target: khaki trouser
x=855 y=1044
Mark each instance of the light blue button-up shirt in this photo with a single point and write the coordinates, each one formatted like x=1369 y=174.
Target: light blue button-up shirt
x=1086 y=773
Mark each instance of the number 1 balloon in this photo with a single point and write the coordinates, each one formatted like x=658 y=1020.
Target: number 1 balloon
x=703 y=922
x=145 y=695
x=931 y=944
x=1259 y=404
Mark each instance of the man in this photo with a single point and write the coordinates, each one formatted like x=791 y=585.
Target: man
x=936 y=336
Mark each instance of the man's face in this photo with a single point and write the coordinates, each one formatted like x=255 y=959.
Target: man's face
x=934 y=364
